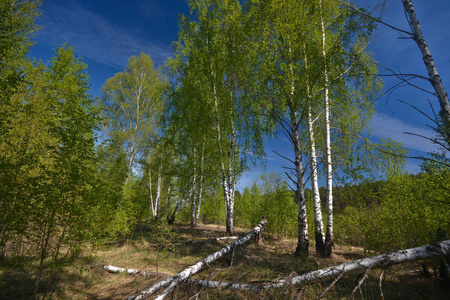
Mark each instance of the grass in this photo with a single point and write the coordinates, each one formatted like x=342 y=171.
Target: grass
x=253 y=264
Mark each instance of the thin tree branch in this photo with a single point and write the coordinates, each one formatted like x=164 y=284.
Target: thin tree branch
x=380 y=282
x=283 y=156
x=374 y=19
x=418 y=110
x=331 y=285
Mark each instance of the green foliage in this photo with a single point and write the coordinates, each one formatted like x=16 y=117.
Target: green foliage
x=213 y=209
x=131 y=107
x=396 y=214
x=271 y=198
x=17 y=23
x=48 y=147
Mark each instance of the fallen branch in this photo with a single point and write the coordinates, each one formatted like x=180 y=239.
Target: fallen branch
x=380 y=283
x=173 y=281
x=330 y=286
x=360 y=282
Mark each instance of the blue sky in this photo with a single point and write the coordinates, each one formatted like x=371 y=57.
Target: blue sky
x=105 y=33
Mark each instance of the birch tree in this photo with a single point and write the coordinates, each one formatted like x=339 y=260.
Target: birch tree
x=131 y=106
x=433 y=74
x=211 y=68
x=159 y=160
x=329 y=164
x=309 y=51
x=346 y=90
x=280 y=31
x=317 y=206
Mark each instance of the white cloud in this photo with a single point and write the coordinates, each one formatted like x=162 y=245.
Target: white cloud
x=94 y=36
x=385 y=127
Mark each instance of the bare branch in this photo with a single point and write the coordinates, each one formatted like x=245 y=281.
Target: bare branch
x=380 y=283
x=358 y=287
x=419 y=110
x=403 y=78
x=283 y=156
x=331 y=285
x=373 y=18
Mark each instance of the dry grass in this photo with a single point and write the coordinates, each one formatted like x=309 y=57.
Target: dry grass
x=253 y=264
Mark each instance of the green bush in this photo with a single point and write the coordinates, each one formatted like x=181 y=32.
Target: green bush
x=408 y=208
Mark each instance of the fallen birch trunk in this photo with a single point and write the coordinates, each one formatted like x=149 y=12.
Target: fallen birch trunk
x=173 y=281
x=194 y=242
x=383 y=261
x=202 y=282
x=114 y=269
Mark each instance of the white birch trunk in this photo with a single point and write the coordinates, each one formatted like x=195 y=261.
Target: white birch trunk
x=303 y=238
x=318 y=222
x=200 y=192
x=227 y=184
x=113 y=269
x=151 y=204
x=130 y=165
x=193 y=191
x=435 y=79
x=169 y=196
x=231 y=185
x=382 y=261
x=173 y=281
x=158 y=191
x=329 y=184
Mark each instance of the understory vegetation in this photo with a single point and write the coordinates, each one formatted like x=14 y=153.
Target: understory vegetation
x=253 y=264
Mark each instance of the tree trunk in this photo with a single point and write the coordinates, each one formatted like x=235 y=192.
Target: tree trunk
x=200 y=192
x=113 y=269
x=231 y=194
x=176 y=210
x=435 y=79
x=227 y=182
x=169 y=196
x=130 y=165
x=151 y=203
x=383 y=261
x=329 y=184
x=173 y=281
x=318 y=222
x=158 y=191
x=303 y=238
x=193 y=191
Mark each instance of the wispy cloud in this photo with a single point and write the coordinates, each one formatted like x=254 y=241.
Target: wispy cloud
x=385 y=127
x=94 y=36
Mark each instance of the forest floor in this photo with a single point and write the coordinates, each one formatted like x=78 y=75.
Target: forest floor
x=253 y=264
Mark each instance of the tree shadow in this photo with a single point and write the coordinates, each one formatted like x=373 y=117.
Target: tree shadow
x=16 y=282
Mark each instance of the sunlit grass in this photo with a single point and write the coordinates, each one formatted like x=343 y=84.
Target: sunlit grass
x=254 y=264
